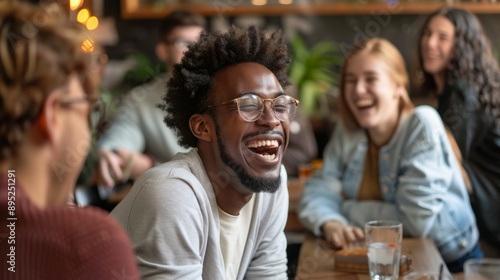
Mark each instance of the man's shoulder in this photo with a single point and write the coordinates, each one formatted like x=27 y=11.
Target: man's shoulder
x=182 y=166
x=182 y=176
x=171 y=187
x=150 y=92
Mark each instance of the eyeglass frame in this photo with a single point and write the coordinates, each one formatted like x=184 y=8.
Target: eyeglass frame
x=96 y=106
x=263 y=100
x=99 y=58
x=178 y=42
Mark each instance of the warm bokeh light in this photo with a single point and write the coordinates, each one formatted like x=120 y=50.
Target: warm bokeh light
x=83 y=16
x=92 y=23
x=75 y=4
x=88 y=46
x=259 y=2
x=285 y=2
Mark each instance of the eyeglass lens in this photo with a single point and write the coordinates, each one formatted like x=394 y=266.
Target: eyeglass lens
x=251 y=107
x=95 y=115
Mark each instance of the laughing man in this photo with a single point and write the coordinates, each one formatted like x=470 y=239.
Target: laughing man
x=219 y=211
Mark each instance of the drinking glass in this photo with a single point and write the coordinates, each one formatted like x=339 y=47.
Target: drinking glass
x=482 y=269
x=383 y=240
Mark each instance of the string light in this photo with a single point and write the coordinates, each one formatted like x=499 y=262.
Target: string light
x=92 y=23
x=82 y=16
x=88 y=45
x=259 y=2
x=75 y=4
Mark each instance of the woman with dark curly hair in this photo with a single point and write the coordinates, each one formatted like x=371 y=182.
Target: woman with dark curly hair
x=219 y=211
x=456 y=64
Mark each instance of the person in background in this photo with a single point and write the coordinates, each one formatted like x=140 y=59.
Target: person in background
x=98 y=62
x=47 y=102
x=219 y=211
x=302 y=148
x=456 y=65
x=137 y=134
x=388 y=160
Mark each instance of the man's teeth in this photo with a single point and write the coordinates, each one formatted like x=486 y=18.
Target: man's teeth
x=268 y=143
x=364 y=103
x=268 y=157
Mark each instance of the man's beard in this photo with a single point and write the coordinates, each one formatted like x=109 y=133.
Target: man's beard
x=253 y=184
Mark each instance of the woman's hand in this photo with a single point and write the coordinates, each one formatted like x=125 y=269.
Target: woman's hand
x=340 y=236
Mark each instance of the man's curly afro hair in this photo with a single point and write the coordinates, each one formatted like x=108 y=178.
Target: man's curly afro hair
x=189 y=89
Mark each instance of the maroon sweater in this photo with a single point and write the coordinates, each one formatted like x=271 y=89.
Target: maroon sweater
x=59 y=242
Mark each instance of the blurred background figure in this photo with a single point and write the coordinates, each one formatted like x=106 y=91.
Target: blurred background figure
x=388 y=161
x=48 y=107
x=456 y=64
x=302 y=148
x=138 y=138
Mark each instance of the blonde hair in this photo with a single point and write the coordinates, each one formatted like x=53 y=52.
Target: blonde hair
x=387 y=52
x=39 y=51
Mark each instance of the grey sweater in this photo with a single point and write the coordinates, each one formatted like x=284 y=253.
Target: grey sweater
x=171 y=216
x=139 y=127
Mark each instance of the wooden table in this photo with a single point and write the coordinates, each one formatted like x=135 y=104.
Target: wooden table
x=316 y=260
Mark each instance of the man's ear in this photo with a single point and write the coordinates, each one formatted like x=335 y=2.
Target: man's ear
x=201 y=127
x=161 y=51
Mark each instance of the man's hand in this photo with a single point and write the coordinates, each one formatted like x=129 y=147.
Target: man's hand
x=119 y=166
x=340 y=236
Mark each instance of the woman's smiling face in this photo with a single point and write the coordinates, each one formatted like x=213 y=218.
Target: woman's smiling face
x=436 y=45
x=371 y=93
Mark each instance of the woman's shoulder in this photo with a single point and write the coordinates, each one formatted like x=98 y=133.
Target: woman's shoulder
x=94 y=234
x=459 y=90
x=425 y=120
x=342 y=132
x=93 y=220
x=426 y=115
x=94 y=226
x=81 y=229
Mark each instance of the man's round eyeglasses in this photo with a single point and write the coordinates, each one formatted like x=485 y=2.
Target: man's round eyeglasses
x=251 y=107
x=96 y=112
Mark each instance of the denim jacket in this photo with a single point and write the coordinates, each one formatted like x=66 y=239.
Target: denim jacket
x=420 y=181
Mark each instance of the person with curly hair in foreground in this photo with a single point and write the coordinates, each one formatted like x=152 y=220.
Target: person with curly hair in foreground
x=219 y=211
x=47 y=107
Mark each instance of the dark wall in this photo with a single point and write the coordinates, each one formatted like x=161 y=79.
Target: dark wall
x=135 y=35
x=400 y=29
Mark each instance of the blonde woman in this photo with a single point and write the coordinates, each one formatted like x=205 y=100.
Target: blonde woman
x=388 y=160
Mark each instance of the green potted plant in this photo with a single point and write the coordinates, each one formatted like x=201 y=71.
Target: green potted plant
x=314 y=72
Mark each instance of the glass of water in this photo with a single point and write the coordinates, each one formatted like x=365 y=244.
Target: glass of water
x=482 y=269
x=383 y=240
